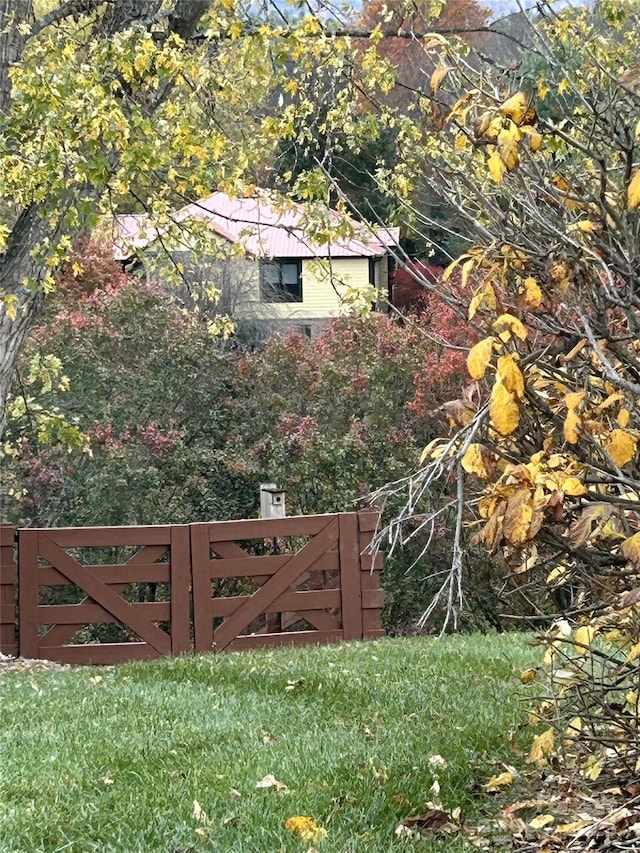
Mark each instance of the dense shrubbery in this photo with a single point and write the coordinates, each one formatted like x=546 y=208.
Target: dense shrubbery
x=179 y=425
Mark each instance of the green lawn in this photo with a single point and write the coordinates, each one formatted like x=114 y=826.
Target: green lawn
x=113 y=758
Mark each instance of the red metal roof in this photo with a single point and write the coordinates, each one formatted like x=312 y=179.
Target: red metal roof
x=263 y=227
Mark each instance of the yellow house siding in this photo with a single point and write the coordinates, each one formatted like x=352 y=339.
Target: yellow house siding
x=323 y=283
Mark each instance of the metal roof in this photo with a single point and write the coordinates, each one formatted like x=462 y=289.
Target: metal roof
x=263 y=226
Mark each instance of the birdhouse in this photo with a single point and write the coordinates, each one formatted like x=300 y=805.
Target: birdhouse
x=271 y=501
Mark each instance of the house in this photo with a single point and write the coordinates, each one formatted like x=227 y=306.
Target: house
x=263 y=262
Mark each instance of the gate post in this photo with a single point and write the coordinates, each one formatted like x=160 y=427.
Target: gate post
x=350 y=585
x=370 y=570
x=8 y=579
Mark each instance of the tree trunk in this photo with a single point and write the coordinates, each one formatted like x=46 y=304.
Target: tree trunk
x=12 y=43
x=20 y=304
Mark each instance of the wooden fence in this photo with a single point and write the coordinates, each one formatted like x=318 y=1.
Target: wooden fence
x=172 y=589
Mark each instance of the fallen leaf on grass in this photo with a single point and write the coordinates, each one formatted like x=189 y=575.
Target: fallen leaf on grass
x=200 y=814
x=434 y=819
x=574 y=826
x=270 y=781
x=541 y=821
x=541 y=747
x=307 y=828
x=501 y=780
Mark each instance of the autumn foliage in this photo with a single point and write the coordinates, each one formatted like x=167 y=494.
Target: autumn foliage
x=542 y=161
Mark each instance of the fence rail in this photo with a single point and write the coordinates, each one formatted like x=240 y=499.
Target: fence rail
x=170 y=589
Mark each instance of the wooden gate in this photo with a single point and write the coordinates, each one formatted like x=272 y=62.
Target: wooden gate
x=82 y=592
x=308 y=589
x=51 y=558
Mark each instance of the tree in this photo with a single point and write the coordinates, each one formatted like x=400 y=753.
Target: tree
x=540 y=160
x=143 y=105
x=107 y=106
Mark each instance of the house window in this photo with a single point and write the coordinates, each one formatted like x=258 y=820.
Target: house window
x=281 y=281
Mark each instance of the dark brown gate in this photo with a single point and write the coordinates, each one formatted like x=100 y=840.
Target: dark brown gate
x=309 y=589
x=55 y=558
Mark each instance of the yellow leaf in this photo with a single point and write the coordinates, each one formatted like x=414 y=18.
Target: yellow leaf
x=621 y=446
x=527 y=675
x=504 y=411
x=633 y=191
x=574 y=487
x=475 y=303
x=448 y=270
x=507 y=144
x=573 y=399
x=592 y=768
x=531 y=292
x=496 y=166
x=574 y=728
x=438 y=76
x=543 y=88
x=556 y=575
x=584 y=637
x=574 y=826
x=541 y=821
x=473 y=461
x=467 y=266
x=612 y=398
x=306 y=827
x=535 y=138
x=541 y=747
x=510 y=374
x=507 y=326
x=570 y=427
x=501 y=780
x=431 y=449
x=486 y=296
x=634 y=652
x=584 y=226
x=479 y=358
x=521 y=521
x=631 y=549
x=518 y=109
x=623 y=418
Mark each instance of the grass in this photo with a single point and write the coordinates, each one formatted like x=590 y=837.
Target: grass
x=112 y=759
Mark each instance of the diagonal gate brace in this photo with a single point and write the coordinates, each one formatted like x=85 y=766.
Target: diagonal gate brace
x=104 y=595
x=264 y=597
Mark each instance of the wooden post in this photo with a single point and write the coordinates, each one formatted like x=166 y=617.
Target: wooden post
x=201 y=587
x=180 y=557
x=8 y=580
x=350 y=585
x=370 y=570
